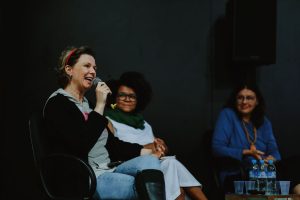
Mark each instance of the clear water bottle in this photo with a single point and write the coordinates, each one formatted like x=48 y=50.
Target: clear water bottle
x=262 y=177
x=271 y=178
x=253 y=174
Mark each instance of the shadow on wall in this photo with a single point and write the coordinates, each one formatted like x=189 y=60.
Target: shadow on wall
x=225 y=72
x=222 y=70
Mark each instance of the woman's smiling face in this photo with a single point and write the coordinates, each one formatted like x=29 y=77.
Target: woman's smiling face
x=83 y=72
x=246 y=102
x=126 y=99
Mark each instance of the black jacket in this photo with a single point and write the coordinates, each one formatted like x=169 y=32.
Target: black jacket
x=68 y=132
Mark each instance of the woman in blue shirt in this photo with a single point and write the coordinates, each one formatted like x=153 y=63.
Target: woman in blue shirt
x=242 y=131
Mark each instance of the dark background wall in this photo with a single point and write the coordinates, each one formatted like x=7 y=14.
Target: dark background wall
x=180 y=46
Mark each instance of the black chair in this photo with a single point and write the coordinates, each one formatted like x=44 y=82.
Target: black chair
x=230 y=165
x=63 y=177
x=219 y=164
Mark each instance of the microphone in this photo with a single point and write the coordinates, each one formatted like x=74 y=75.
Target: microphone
x=96 y=81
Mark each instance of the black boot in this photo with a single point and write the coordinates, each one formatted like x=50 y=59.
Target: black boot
x=150 y=185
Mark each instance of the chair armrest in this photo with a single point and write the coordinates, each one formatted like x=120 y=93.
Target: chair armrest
x=227 y=163
x=67 y=177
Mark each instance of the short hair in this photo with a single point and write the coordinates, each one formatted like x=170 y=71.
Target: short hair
x=258 y=114
x=70 y=56
x=137 y=82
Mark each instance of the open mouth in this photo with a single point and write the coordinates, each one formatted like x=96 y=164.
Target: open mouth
x=90 y=79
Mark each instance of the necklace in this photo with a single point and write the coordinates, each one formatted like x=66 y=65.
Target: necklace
x=252 y=142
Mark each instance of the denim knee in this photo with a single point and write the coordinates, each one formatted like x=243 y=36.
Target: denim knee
x=148 y=162
x=115 y=186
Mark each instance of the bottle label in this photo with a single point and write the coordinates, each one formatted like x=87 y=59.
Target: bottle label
x=262 y=174
x=253 y=174
x=271 y=174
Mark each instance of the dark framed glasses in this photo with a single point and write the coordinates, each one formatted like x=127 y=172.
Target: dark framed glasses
x=241 y=98
x=129 y=97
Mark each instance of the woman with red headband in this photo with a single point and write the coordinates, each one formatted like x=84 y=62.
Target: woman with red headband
x=73 y=127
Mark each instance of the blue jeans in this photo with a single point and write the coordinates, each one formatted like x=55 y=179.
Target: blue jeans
x=120 y=184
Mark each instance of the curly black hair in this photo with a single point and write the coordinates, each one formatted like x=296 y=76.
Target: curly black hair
x=137 y=82
x=257 y=116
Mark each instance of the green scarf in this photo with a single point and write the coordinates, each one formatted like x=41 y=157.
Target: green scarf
x=134 y=120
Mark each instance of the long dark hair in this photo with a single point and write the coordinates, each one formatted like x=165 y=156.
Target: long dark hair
x=258 y=114
x=137 y=82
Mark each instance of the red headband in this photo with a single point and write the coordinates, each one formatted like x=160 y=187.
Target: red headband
x=70 y=54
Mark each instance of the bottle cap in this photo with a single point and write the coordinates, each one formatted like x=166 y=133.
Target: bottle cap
x=261 y=161
x=270 y=162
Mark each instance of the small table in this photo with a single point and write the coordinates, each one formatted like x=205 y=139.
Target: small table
x=261 y=197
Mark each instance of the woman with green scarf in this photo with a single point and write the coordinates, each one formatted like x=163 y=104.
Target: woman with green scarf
x=130 y=95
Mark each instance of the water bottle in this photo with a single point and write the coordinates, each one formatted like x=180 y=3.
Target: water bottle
x=271 y=178
x=253 y=174
x=262 y=177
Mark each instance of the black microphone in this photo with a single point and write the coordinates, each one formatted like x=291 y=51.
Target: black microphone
x=96 y=81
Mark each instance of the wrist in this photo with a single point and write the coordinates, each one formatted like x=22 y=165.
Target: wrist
x=99 y=108
x=145 y=151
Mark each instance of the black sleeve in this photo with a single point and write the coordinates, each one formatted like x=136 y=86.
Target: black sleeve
x=121 y=151
x=67 y=129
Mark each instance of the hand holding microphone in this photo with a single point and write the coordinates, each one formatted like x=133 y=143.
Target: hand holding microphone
x=102 y=90
x=96 y=81
x=102 y=84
